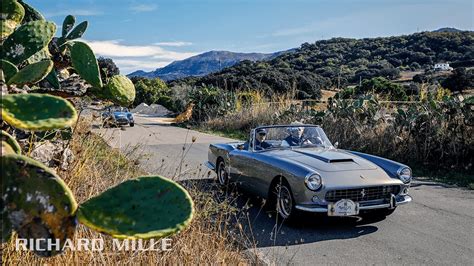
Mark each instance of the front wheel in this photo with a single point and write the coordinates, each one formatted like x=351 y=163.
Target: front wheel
x=132 y=124
x=222 y=175
x=285 y=204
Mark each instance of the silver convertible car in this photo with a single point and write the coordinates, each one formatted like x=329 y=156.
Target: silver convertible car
x=297 y=168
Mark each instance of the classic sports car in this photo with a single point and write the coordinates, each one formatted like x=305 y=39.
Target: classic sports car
x=297 y=168
x=118 y=116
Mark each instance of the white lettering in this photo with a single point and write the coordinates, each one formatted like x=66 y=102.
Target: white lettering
x=83 y=243
x=166 y=244
x=21 y=242
x=38 y=244
x=56 y=244
x=68 y=244
x=97 y=244
x=117 y=246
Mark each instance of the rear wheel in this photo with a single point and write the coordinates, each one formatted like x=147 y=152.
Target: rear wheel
x=222 y=175
x=132 y=124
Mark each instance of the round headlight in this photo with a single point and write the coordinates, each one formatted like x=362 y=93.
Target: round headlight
x=405 y=174
x=313 y=181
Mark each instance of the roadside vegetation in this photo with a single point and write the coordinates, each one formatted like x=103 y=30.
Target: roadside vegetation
x=429 y=134
x=214 y=236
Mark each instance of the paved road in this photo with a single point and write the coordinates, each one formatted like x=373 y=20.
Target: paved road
x=436 y=228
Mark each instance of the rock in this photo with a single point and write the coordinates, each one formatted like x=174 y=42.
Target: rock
x=71 y=86
x=51 y=154
x=151 y=110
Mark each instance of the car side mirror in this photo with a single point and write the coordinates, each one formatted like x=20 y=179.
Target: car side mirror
x=240 y=146
x=336 y=144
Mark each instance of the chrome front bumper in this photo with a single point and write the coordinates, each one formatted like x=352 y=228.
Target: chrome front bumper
x=399 y=200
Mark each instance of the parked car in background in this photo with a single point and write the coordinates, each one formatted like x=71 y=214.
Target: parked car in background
x=296 y=168
x=117 y=116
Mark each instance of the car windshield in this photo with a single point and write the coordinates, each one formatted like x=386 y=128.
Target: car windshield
x=118 y=109
x=291 y=136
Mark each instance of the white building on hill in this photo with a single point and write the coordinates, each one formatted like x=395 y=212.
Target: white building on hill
x=442 y=67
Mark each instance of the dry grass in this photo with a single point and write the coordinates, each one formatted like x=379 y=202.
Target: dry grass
x=210 y=239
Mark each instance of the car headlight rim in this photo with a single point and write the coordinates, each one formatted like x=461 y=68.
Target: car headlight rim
x=313 y=181
x=405 y=174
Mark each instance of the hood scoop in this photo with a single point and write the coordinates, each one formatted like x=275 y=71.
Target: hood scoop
x=340 y=160
x=325 y=159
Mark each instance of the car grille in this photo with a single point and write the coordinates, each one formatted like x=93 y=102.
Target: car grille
x=362 y=194
x=121 y=120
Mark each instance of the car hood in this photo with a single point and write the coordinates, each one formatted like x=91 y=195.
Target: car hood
x=326 y=160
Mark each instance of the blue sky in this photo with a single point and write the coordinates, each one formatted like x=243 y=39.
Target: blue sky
x=150 y=34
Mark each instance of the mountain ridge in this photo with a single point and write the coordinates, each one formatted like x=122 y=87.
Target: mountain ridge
x=202 y=64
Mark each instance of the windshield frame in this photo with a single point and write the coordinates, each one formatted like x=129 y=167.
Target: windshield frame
x=321 y=132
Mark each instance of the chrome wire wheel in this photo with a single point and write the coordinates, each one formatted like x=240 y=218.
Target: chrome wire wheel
x=284 y=201
x=222 y=175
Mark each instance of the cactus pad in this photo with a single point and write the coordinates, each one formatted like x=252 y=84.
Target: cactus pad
x=78 y=31
x=142 y=208
x=85 y=63
x=121 y=90
x=11 y=141
x=32 y=73
x=53 y=79
x=27 y=40
x=38 y=112
x=38 y=203
x=6 y=148
x=12 y=14
x=68 y=23
x=9 y=69
x=31 y=14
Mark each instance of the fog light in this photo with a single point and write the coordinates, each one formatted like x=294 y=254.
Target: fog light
x=315 y=199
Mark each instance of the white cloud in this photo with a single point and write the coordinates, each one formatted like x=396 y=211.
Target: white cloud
x=143 y=8
x=174 y=44
x=74 y=12
x=134 y=57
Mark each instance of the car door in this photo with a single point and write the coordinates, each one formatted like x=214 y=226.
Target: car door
x=239 y=160
x=247 y=169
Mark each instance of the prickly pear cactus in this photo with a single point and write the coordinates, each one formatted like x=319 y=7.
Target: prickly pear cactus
x=12 y=14
x=120 y=89
x=6 y=148
x=39 y=205
x=146 y=207
x=27 y=40
x=31 y=14
x=10 y=140
x=9 y=69
x=68 y=23
x=38 y=112
x=85 y=63
x=78 y=31
x=32 y=73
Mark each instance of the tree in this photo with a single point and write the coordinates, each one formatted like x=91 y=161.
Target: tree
x=152 y=91
x=107 y=68
x=383 y=87
x=460 y=80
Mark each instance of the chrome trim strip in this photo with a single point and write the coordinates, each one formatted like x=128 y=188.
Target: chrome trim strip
x=406 y=199
x=209 y=165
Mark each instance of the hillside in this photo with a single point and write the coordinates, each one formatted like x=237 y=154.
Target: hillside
x=338 y=62
x=201 y=65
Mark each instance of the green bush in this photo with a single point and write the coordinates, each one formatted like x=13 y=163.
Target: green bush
x=154 y=91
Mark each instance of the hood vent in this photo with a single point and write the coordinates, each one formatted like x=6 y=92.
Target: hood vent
x=340 y=160
x=324 y=159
